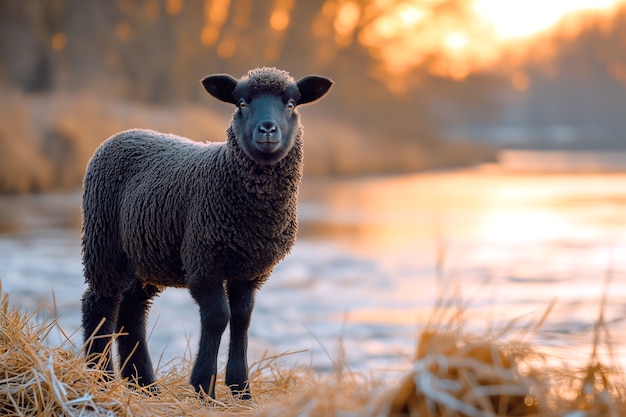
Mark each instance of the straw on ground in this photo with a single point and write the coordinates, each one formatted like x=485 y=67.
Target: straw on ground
x=454 y=374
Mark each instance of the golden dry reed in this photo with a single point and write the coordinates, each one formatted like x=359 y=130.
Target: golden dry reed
x=454 y=374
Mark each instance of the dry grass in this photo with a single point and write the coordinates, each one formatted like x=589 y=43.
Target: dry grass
x=454 y=374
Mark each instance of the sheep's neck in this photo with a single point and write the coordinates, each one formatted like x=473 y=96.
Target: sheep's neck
x=269 y=188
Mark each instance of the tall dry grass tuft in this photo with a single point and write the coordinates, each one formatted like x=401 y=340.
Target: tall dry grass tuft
x=454 y=375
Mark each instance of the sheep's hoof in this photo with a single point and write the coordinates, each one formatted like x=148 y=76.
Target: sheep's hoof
x=105 y=378
x=147 y=390
x=242 y=395
x=151 y=390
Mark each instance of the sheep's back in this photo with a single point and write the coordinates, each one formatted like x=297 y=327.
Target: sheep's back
x=136 y=193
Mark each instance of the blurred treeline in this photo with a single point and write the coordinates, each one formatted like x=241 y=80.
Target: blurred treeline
x=73 y=72
x=577 y=85
x=563 y=89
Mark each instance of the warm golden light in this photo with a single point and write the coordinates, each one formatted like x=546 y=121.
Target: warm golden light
x=520 y=80
x=410 y=15
x=347 y=18
x=59 y=40
x=455 y=41
x=209 y=35
x=619 y=71
x=215 y=14
x=279 y=20
x=518 y=18
x=226 y=48
x=123 y=30
x=451 y=41
x=173 y=7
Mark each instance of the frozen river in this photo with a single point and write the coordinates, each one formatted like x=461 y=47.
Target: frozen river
x=373 y=257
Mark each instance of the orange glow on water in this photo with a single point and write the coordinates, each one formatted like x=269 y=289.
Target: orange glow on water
x=392 y=213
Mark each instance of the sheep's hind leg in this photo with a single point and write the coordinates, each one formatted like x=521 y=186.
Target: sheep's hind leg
x=241 y=300
x=214 y=316
x=134 y=357
x=99 y=314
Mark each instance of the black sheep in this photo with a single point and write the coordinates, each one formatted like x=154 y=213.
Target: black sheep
x=160 y=210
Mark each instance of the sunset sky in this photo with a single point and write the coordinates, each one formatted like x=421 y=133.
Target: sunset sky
x=451 y=39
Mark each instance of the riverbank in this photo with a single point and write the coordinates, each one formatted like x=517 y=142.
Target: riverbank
x=47 y=139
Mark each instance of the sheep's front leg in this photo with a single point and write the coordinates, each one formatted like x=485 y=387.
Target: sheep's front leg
x=241 y=300
x=214 y=316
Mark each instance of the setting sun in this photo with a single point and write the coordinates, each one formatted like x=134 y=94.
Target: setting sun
x=517 y=18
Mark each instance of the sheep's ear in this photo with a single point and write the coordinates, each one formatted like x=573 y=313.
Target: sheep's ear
x=313 y=87
x=221 y=86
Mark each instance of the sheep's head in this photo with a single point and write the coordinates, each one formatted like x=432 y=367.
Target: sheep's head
x=266 y=121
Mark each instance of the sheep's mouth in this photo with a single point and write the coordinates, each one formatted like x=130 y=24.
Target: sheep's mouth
x=268 y=145
x=267 y=149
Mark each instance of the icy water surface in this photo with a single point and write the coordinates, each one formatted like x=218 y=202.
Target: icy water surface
x=372 y=258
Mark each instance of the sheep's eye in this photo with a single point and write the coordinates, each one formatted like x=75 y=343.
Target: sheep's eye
x=291 y=105
x=243 y=104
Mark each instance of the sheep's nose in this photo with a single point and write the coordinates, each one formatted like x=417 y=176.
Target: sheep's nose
x=268 y=128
